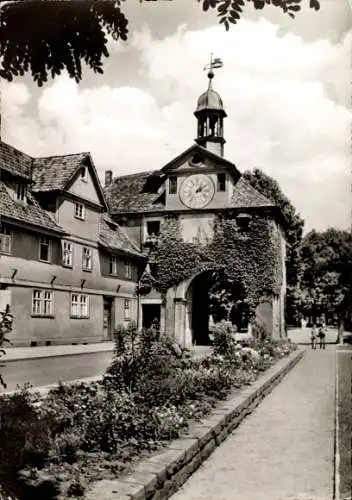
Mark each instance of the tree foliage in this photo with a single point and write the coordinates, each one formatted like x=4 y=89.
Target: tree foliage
x=230 y=11
x=294 y=231
x=326 y=282
x=45 y=37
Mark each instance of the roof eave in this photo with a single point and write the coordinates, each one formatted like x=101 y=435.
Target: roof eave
x=30 y=225
x=121 y=251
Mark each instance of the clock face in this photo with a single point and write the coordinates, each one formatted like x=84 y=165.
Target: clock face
x=197 y=191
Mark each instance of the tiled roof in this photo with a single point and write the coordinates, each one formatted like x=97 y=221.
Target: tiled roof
x=30 y=213
x=14 y=161
x=113 y=237
x=131 y=194
x=245 y=196
x=54 y=172
x=135 y=193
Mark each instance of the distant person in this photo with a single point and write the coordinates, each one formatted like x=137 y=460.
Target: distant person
x=321 y=335
x=313 y=337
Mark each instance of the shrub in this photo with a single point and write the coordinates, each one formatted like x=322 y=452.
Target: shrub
x=76 y=488
x=68 y=406
x=224 y=338
x=145 y=364
x=66 y=446
x=25 y=437
x=259 y=329
x=168 y=422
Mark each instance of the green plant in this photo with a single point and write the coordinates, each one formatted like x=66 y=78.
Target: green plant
x=252 y=257
x=66 y=446
x=142 y=361
x=223 y=338
x=259 y=329
x=25 y=439
x=6 y=319
x=76 y=488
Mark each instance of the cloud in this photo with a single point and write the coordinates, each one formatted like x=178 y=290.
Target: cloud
x=287 y=103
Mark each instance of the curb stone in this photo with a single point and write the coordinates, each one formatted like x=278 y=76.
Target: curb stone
x=159 y=476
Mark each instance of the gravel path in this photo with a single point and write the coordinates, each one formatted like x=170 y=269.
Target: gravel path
x=284 y=450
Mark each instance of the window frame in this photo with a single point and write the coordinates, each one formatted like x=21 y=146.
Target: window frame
x=80 y=210
x=86 y=268
x=48 y=260
x=21 y=192
x=154 y=221
x=43 y=298
x=113 y=264
x=220 y=183
x=128 y=269
x=70 y=253
x=173 y=184
x=5 y=235
x=79 y=305
x=128 y=303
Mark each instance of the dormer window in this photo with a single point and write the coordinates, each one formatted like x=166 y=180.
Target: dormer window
x=21 y=192
x=80 y=211
x=84 y=174
x=173 y=185
x=221 y=182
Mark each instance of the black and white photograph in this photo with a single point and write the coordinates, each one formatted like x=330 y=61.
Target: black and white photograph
x=175 y=249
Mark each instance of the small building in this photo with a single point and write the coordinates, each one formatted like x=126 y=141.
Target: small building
x=180 y=216
x=68 y=270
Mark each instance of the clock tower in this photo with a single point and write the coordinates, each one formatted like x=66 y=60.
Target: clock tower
x=199 y=214
x=210 y=115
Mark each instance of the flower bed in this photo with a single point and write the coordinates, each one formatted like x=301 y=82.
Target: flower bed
x=150 y=393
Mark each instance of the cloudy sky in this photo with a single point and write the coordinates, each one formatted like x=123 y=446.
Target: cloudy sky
x=285 y=85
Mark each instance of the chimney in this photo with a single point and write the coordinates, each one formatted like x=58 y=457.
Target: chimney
x=108 y=177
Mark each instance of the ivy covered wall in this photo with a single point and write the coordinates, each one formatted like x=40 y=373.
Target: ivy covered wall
x=250 y=256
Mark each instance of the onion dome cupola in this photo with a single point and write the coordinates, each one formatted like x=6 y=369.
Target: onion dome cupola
x=210 y=114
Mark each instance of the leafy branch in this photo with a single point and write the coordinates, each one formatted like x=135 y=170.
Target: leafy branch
x=46 y=37
x=230 y=11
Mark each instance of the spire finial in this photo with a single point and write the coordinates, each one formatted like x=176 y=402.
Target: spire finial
x=214 y=64
x=210 y=72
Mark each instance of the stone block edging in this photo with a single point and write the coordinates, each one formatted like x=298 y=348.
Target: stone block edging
x=159 y=476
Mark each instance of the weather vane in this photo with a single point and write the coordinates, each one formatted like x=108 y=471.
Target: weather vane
x=214 y=64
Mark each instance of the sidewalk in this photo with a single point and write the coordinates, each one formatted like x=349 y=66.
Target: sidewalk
x=17 y=353
x=284 y=450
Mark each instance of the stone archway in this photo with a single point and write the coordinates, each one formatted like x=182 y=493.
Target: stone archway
x=187 y=310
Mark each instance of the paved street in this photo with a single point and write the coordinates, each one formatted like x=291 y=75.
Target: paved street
x=284 y=450
x=43 y=371
x=51 y=364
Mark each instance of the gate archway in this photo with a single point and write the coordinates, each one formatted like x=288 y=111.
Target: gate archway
x=204 y=298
